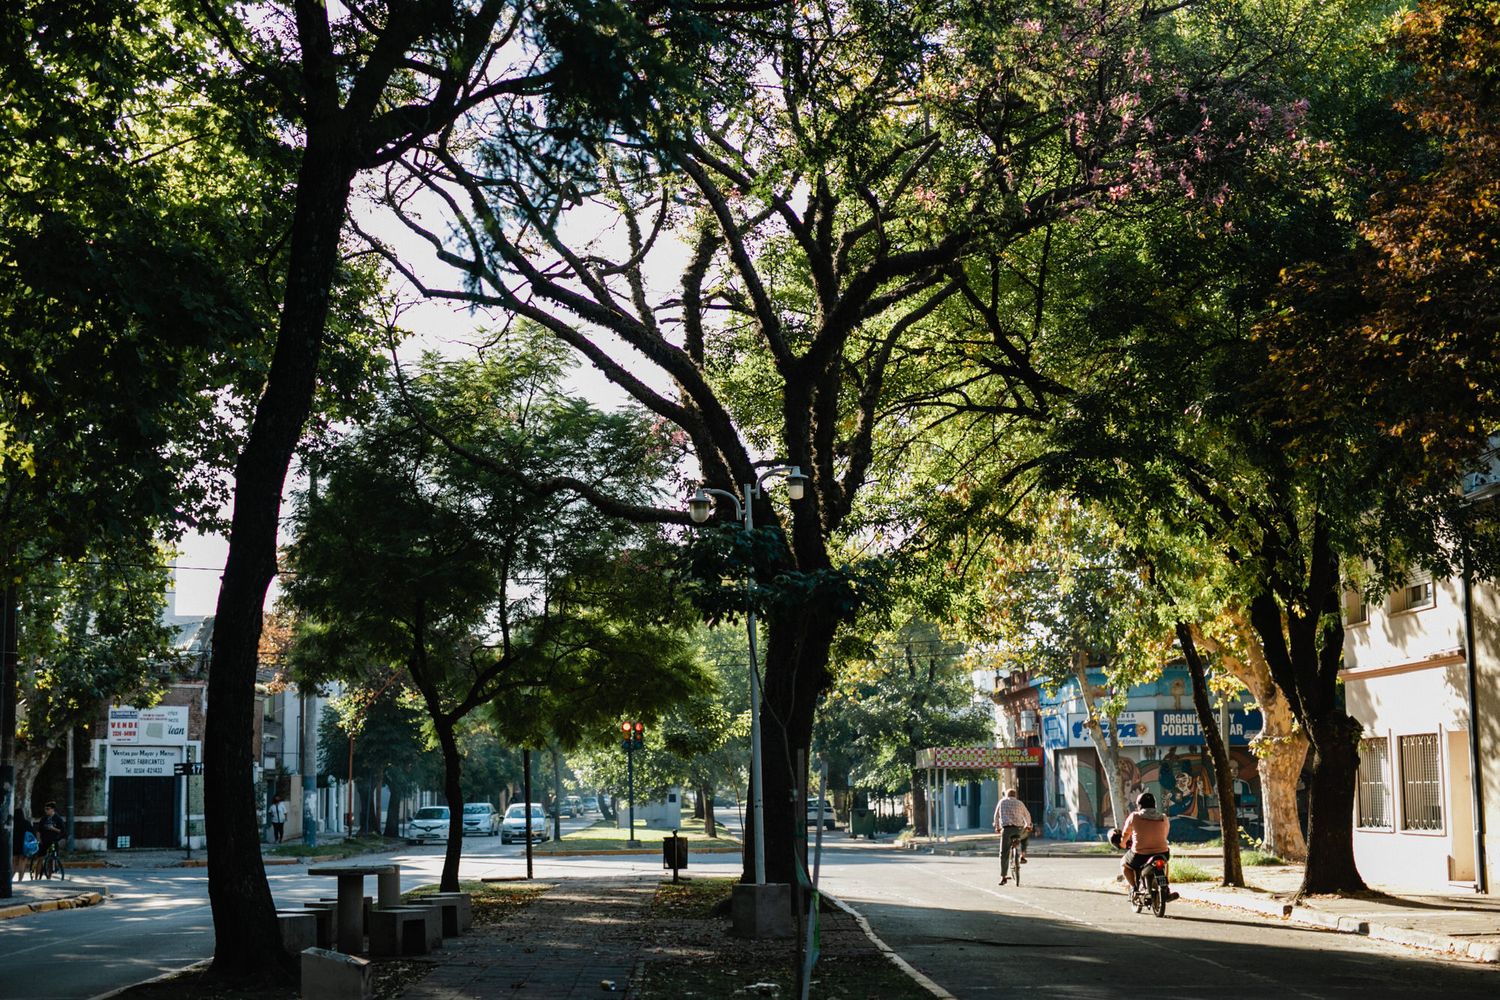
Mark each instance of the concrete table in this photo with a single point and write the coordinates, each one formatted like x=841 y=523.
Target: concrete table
x=351 y=900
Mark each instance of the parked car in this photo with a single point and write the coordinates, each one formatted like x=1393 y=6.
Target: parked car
x=573 y=805
x=513 y=826
x=812 y=814
x=430 y=823
x=481 y=818
x=590 y=804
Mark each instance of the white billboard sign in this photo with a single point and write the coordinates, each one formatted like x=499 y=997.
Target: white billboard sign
x=165 y=724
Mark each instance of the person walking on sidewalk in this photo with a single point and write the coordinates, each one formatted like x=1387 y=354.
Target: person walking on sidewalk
x=19 y=861
x=278 y=817
x=1012 y=822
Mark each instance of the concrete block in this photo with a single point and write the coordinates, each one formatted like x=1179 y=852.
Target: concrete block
x=326 y=916
x=762 y=912
x=458 y=911
x=331 y=975
x=388 y=887
x=405 y=930
x=299 y=930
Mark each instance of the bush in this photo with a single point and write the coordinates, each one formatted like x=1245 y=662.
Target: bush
x=890 y=824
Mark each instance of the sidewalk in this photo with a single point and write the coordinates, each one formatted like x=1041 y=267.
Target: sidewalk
x=1465 y=925
x=577 y=940
x=49 y=894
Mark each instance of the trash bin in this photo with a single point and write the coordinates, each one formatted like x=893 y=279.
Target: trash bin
x=674 y=853
x=862 y=823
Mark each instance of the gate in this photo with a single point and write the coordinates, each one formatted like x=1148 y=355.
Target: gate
x=145 y=810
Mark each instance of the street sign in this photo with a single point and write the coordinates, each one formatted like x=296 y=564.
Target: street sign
x=191 y=767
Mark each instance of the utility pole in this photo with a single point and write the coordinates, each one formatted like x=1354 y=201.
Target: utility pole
x=635 y=738
x=308 y=761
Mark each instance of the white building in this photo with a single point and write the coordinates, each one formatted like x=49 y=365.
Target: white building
x=1407 y=680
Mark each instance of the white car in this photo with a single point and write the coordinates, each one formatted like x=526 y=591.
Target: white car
x=430 y=823
x=480 y=818
x=827 y=814
x=513 y=826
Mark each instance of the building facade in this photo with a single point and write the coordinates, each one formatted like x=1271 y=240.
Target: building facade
x=1425 y=807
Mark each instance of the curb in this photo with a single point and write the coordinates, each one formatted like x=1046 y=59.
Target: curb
x=890 y=953
x=1478 y=951
x=121 y=991
x=48 y=905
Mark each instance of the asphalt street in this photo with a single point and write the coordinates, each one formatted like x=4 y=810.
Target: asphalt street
x=1068 y=932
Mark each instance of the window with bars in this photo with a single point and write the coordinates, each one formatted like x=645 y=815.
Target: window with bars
x=1374 y=784
x=1421 y=783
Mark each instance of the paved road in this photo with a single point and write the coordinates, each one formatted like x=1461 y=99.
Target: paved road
x=157 y=920
x=1067 y=932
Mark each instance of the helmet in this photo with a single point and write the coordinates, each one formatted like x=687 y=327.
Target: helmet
x=1114 y=837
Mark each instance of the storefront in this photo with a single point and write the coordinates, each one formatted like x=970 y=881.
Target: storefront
x=1161 y=751
x=146 y=797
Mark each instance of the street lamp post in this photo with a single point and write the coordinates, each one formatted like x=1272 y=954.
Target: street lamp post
x=635 y=738
x=700 y=506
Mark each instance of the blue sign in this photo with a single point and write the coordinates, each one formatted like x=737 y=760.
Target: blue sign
x=1181 y=728
x=1054 y=736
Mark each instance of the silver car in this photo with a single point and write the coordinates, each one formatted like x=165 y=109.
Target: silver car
x=513 y=827
x=480 y=819
x=430 y=823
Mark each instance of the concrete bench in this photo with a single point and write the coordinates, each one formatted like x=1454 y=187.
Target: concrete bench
x=405 y=930
x=326 y=915
x=331 y=975
x=388 y=887
x=299 y=930
x=458 y=911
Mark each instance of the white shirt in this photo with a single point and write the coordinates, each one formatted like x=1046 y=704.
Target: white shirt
x=278 y=812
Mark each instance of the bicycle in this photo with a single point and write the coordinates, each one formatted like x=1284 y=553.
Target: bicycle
x=1015 y=860
x=48 y=863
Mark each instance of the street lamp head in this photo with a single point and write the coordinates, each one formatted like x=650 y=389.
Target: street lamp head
x=796 y=484
x=700 y=506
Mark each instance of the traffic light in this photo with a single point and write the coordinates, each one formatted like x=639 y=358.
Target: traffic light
x=634 y=734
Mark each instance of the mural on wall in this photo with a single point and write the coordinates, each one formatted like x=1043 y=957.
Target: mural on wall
x=1182 y=782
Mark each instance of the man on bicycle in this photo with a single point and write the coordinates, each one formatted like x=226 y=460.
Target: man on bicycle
x=1013 y=823
x=49 y=829
x=1144 y=836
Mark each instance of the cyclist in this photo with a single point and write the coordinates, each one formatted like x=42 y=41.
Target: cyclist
x=1144 y=836
x=1012 y=822
x=49 y=829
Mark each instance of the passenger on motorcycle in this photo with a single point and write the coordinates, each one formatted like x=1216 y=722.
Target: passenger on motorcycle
x=1144 y=836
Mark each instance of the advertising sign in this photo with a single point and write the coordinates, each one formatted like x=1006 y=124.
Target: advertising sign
x=979 y=758
x=1136 y=729
x=165 y=724
x=1181 y=728
x=1054 y=732
x=142 y=762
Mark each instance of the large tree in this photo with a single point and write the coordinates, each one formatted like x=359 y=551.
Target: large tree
x=816 y=218
x=417 y=557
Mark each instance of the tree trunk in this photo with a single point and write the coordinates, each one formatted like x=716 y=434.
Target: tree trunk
x=10 y=687
x=1228 y=820
x=1330 y=807
x=557 y=796
x=607 y=807
x=1108 y=747
x=245 y=928
x=796 y=673
x=916 y=806
x=453 y=793
x=698 y=801
x=1280 y=748
x=392 y=817
x=1303 y=642
x=706 y=802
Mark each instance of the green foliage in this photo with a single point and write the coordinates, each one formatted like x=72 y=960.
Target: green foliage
x=904 y=690
x=92 y=632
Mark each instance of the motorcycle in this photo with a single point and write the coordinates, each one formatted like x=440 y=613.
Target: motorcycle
x=1152 y=887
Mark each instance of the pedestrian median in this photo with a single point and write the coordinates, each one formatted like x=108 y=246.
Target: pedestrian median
x=48 y=895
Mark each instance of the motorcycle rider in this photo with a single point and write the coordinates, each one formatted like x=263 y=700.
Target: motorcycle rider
x=1144 y=836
